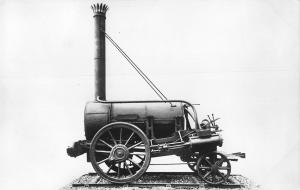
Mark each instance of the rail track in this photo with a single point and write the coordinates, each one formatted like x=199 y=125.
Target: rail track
x=181 y=180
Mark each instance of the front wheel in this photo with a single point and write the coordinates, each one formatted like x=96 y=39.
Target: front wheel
x=213 y=168
x=120 y=152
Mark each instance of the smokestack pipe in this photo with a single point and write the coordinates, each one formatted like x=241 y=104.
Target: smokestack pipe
x=99 y=17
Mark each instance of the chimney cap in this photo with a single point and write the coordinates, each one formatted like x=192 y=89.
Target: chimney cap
x=99 y=9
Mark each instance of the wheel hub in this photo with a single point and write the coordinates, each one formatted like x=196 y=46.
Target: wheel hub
x=214 y=168
x=119 y=153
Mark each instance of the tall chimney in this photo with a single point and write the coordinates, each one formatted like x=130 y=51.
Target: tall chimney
x=99 y=17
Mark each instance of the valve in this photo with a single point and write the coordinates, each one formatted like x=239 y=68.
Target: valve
x=210 y=123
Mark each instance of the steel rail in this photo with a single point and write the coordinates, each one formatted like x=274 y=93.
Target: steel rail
x=165 y=173
x=111 y=185
x=194 y=182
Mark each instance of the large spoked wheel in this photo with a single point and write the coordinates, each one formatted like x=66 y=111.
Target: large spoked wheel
x=213 y=168
x=120 y=152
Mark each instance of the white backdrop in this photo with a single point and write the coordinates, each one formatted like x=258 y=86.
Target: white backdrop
x=238 y=59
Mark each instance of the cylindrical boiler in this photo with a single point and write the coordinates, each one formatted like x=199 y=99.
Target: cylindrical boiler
x=162 y=119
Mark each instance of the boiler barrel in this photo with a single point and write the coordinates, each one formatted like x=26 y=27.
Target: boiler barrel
x=164 y=115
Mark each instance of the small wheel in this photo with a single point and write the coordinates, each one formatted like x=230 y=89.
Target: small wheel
x=193 y=163
x=213 y=168
x=120 y=152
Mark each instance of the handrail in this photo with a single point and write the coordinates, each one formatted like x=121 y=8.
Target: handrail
x=155 y=101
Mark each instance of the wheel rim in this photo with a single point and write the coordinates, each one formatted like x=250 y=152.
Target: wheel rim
x=214 y=168
x=120 y=152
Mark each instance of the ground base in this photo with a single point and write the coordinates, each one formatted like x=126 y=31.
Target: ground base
x=160 y=180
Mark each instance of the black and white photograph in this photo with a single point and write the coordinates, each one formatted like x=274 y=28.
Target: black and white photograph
x=150 y=94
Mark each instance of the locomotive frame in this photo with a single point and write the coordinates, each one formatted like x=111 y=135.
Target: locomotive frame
x=123 y=136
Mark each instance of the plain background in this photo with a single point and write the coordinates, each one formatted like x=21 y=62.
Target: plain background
x=238 y=59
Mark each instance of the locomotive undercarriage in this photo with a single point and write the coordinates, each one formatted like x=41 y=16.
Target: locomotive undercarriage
x=178 y=147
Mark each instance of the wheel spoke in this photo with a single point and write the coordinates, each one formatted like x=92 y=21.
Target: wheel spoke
x=105 y=143
x=204 y=167
x=137 y=153
x=128 y=168
x=137 y=144
x=220 y=162
x=109 y=169
x=103 y=151
x=214 y=158
x=207 y=174
x=121 y=135
x=119 y=166
x=102 y=161
x=140 y=157
x=221 y=175
x=223 y=168
x=134 y=162
x=208 y=161
x=129 y=138
x=213 y=177
x=111 y=136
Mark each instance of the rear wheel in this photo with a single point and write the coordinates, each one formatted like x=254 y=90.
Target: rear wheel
x=120 y=152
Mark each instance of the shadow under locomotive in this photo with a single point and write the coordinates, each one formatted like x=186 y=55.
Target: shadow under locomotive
x=123 y=136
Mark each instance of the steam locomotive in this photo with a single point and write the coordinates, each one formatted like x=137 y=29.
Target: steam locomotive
x=123 y=136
